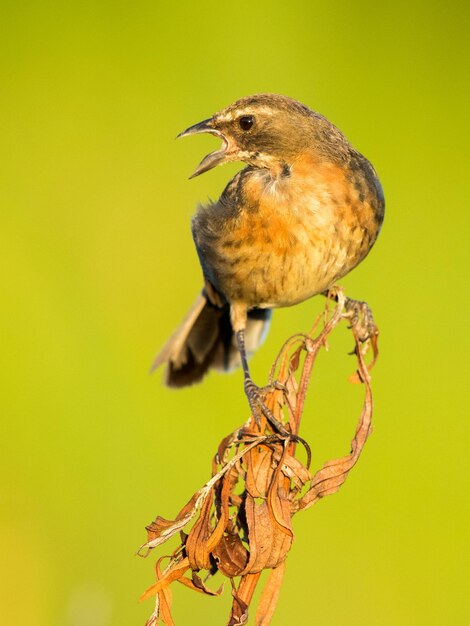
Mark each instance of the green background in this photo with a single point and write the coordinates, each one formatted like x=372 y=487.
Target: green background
x=97 y=267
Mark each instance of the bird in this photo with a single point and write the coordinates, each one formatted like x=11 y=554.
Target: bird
x=305 y=209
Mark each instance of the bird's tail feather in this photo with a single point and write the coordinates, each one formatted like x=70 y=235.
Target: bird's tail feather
x=205 y=340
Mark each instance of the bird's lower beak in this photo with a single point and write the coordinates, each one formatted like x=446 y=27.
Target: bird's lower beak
x=214 y=158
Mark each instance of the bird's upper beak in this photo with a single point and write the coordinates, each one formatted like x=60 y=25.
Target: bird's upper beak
x=214 y=158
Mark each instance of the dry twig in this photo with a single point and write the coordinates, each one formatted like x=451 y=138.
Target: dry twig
x=243 y=515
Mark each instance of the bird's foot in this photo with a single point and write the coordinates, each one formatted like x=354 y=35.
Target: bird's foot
x=361 y=320
x=256 y=398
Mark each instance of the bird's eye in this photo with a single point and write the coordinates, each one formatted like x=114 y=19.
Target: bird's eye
x=246 y=122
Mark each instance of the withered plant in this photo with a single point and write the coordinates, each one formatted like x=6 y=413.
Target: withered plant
x=240 y=522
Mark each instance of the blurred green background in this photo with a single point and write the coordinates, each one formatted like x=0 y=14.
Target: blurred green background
x=98 y=266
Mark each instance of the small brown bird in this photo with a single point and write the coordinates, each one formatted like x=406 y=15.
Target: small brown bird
x=305 y=210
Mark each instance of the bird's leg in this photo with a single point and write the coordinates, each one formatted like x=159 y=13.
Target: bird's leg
x=254 y=393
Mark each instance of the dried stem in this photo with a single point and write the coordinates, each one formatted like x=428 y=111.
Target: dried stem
x=243 y=515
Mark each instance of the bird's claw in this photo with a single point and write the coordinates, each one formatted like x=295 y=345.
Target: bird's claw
x=361 y=319
x=256 y=396
x=280 y=387
x=276 y=385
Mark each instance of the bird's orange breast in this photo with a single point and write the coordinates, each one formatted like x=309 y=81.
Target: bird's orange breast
x=293 y=235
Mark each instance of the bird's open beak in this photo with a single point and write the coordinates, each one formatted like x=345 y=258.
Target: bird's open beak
x=214 y=158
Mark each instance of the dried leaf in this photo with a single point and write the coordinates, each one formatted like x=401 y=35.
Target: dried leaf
x=231 y=554
x=197 y=584
x=269 y=597
x=295 y=359
x=357 y=377
x=269 y=545
x=229 y=481
x=158 y=526
x=278 y=502
x=196 y=543
x=164 y=599
x=172 y=574
x=259 y=471
x=161 y=529
x=333 y=474
x=298 y=473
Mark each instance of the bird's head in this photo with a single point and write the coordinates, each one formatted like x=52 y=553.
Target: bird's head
x=267 y=131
